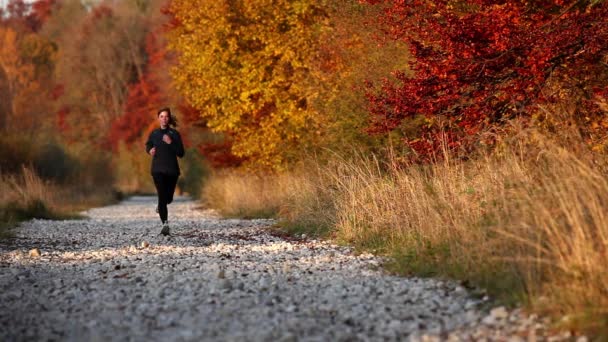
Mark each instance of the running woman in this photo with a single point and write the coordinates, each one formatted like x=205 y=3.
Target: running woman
x=165 y=145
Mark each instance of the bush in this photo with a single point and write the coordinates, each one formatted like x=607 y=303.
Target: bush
x=52 y=162
x=49 y=181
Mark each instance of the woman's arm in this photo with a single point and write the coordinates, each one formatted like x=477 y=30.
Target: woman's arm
x=149 y=143
x=178 y=146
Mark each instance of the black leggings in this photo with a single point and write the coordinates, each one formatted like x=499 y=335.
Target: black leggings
x=165 y=187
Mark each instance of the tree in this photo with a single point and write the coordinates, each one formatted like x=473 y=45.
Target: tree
x=480 y=63
x=352 y=52
x=99 y=60
x=26 y=65
x=144 y=97
x=249 y=68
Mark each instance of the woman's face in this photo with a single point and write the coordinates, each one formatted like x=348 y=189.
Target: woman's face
x=163 y=119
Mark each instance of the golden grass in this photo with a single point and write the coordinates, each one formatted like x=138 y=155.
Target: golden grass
x=240 y=194
x=23 y=196
x=24 y=188
x=531 y=227
x=528 y=223
x=26 y=195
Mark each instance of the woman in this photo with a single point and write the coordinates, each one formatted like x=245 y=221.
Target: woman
x=165 y=145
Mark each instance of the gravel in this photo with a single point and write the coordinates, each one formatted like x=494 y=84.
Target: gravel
x=111 y=277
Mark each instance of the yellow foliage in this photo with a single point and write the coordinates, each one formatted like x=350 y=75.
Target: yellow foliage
x=248 y=66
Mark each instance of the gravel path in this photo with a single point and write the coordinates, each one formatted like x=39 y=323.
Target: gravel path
x=110 y=277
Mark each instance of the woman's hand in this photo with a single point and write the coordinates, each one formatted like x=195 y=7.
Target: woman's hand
x=152 y=151
x=167 y=139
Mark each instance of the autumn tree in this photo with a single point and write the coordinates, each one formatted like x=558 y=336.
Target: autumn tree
x=26 y=66
x=353 y=52
x=101 y=55
x=480 y=63
x=144 y=97
x=247 y=67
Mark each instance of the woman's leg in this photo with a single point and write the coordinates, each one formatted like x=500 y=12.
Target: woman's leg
x=171 y=183
x=160 y=182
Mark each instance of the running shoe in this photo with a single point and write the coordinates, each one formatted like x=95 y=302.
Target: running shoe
x=165 y=230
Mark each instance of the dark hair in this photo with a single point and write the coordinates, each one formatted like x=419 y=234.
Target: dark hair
x=172 y=119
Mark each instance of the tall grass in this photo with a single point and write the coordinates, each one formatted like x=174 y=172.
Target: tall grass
x=527 y=223
x=26 y=195
x=240 y=194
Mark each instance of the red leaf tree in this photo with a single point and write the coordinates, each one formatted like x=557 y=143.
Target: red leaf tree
x=143 y=99
x=480 y=63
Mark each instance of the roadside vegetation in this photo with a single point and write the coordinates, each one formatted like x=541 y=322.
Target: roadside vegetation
x=526 y=223
x=47 y=182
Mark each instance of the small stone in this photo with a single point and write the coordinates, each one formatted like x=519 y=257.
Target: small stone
x=145 y=244
x=226 y=285
x=288 y=337
x=489 y=320
x=264 y=284
x=34 y=253
x=499 y=312
x=515 y=339
x=221 y=274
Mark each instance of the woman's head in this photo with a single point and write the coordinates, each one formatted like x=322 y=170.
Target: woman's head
x=165 y=118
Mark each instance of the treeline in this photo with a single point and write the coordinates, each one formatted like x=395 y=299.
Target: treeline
x=80 y=84
x=266 y=84
x=284 y=77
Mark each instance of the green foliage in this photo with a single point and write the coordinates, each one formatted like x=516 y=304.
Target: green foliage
x=15 y=151
x=90 y=170
x=51 y=160
x=312 y=229
x=13 y=212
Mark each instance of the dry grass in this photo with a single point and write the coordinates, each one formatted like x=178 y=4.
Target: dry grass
x=528 y=223
x=240 y=194
x=24 y=188
x=26 y=195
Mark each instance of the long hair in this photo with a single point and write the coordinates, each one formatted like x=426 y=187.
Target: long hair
x=172 y=119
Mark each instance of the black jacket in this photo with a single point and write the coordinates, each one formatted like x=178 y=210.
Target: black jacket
x=165 y=158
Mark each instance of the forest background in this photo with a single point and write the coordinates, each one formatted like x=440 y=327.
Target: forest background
x=463 y=138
